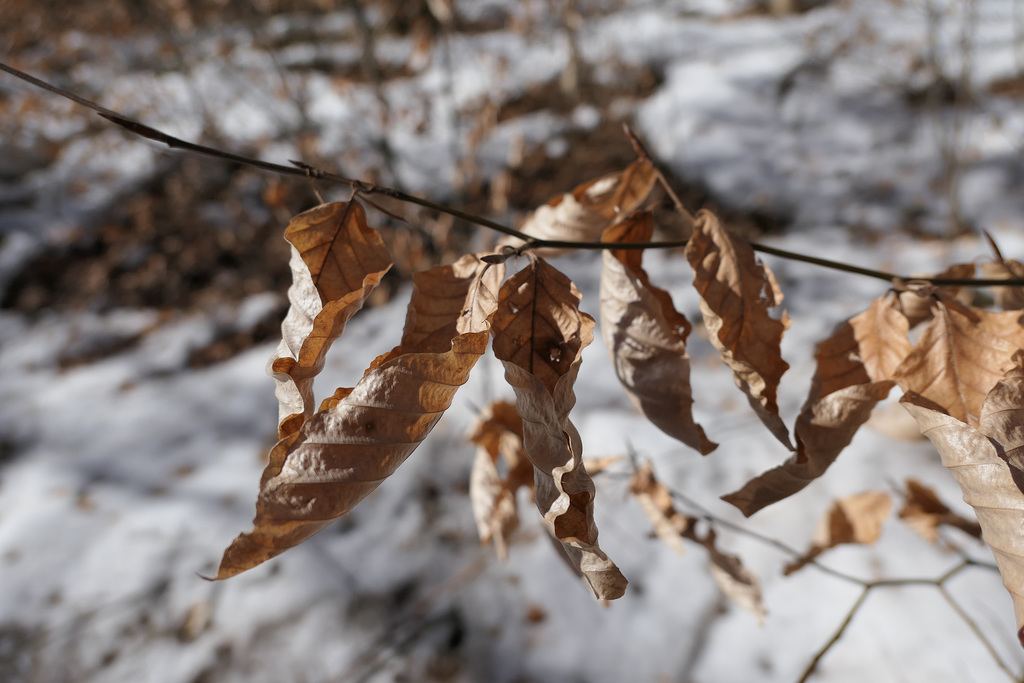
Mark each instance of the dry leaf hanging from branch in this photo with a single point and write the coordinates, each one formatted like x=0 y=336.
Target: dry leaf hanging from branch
x=646 y=337
x=337 y=260
x=736 y=581
x=923 y=512
x=360 y=436
x=656 y=500
x=1002 y=417
x=736 y=294
x=916 y=301
x=853 y=519
x=960 y=356
x=499 y=439
x=854 y=367
x=583 y=214
x=987 y=481
x=539 y=335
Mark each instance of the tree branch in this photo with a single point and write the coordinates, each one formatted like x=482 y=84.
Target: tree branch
x=302 y=169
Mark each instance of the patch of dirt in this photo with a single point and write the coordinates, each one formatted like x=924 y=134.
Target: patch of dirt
x=1012 y=87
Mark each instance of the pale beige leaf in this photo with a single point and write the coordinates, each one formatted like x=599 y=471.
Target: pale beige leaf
x=736 y=582
x=494 y=503
x=539 y=335
x=853 y=373
x=583 y=214
x=824 y=428
x=646 y=337
x=852 y=519
x=924 y=513
x=988 y=486
x=1002 y=417
x=867 y=347
x=960 y=356
x=1008 y=298
x=596 y=466
x=916 y=303
x=337 y=260
x=656 y=501
x=736 y=293
x=361 y=435
x=499 y=439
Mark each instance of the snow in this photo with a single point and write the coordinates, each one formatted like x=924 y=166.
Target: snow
x=124 y=477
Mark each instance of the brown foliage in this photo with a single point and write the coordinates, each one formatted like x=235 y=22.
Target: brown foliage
x=329 y=458
x=336 y=457
x=539 y=334
x=975 y=457
x=853 y=519
x=646 y=337
x=736 y=294
x=854 y=371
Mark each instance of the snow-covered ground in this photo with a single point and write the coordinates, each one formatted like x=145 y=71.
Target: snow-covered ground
x=124 y=471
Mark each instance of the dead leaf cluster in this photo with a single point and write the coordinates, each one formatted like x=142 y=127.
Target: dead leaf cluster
x=963 y=381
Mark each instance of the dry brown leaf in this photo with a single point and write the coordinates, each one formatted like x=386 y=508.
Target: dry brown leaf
x=361 y=435
x=852 y=519
x=738 y=583
x=1002 y=417
x=539 y=335
x=853 y=373
x=916 y=302
x=867 y=348
x=734 y=580
x=824 y=428
x=736 y=293
x=646 y=337
x=656 y=500
x=988 y=486
x=960 y=356
x=583 y=214
x=924 y=513
x=596 y=466
x=499 y=439
x=337 y=260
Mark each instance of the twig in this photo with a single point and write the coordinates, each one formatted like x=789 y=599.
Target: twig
x=977 y=631
x=835 y=636
x=365 y=188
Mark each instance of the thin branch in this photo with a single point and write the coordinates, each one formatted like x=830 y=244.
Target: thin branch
x=977 y=632
x=303 y=169
x=835 y=637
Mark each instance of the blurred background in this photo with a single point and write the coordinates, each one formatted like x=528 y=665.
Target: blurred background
x=141 y=292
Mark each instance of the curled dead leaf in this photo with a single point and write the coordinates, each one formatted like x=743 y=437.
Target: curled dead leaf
x=499 y=439
x=337 y=260
x=852 y=519
x=734 y=580
x=361 y=435
x=987 y=481
x=854 y=367
x=1002 y=417
x=736 y=294
x=583 y=214
x=656 y=501
x=539 y=335
x=646 y=337
x=960 y=356
x=924 y=513
x=916 y=301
